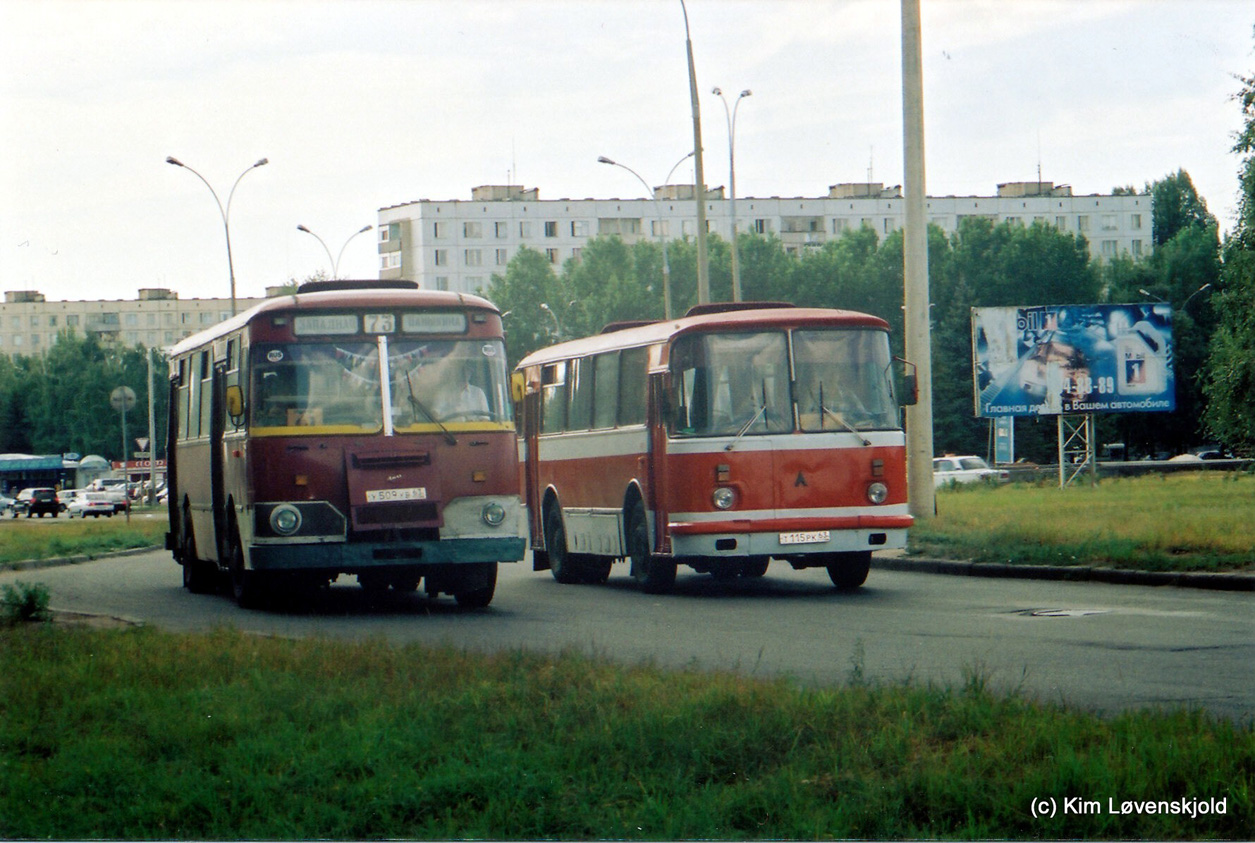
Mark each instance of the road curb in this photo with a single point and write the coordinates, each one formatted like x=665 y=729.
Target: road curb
x=57 y=561
x=1075 y=573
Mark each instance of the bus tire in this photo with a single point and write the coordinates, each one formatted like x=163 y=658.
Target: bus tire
x=478 y=598
x=848 y=571
x=199 y=577
x=755 y=566
x=247 y=587
x=561 y=565
x=654 y=574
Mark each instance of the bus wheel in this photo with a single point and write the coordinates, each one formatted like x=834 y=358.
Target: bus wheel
x=199 y=577
x=247 y=586
x=849 y=570
x=481 y=595
x=595 y=571
x=755 y=566
x=654 y=574
x=561 y=565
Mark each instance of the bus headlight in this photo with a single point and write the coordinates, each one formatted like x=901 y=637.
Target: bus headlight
x=877 y=493
x=724 y=498
x=493 y=514
x=285 y=519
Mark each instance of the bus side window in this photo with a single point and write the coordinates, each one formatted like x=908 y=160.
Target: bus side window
x=553 y=396
x=606 y=389
x=581 y=388
x=185 y=396
x=632 y=378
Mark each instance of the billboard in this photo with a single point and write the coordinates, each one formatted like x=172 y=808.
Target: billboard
x=1090 y=358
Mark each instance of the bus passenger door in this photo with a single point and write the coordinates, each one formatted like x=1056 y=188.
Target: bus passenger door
x=655 y=457
x=217 y=425
x=529 y=413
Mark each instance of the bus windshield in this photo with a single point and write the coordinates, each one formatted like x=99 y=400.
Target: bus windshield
x=843 y=379
x=339 y=384
x=745 y=384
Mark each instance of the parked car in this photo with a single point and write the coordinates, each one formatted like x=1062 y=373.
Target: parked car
x=965 y=469
x=94 y=504
x=39 y=501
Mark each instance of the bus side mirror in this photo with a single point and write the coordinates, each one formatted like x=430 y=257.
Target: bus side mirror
x=235 y=403
x=517 y=387
x=910 y=383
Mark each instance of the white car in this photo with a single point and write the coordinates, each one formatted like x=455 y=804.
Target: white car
x=965 y=469
x=94 y=504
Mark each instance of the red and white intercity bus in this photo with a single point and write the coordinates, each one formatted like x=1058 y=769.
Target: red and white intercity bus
x=360 y=428
x=722 y=440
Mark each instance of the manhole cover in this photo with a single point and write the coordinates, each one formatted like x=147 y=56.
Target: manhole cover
x=1059 y=613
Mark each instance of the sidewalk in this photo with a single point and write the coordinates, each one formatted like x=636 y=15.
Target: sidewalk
x=897 y=560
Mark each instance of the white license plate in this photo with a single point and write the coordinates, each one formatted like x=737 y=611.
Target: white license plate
x=814 y=537
x=413 y=493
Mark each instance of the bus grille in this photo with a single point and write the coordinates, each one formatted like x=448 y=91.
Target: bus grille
x=403 y=512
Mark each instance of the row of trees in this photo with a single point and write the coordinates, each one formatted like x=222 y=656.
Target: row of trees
x=60 y=402
x=980 y=265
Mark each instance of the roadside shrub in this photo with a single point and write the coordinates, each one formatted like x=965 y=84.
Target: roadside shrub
x=24 y=603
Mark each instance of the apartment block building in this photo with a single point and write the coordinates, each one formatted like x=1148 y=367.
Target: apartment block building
x=157 y=318
x=458 y=245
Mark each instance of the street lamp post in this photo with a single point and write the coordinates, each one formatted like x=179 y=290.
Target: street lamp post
x=557 y=326
x=662 y=241
x=730 y=114
x=335 y=262
x=226 y=212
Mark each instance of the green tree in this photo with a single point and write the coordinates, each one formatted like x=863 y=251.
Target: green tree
x=1230 y=378
x=1177 y=205
x=528 y=282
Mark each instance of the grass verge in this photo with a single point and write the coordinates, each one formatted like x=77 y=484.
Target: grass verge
x=1203 y=521
x=144 y=734
x=23 y=539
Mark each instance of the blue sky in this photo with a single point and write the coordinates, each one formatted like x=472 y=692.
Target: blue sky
x=361 y=105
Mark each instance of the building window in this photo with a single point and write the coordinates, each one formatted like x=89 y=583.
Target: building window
x=1135 y=222
x=525 y=229
x=1082 y=222
x=552 y=254
x=579 y=228
x=1109 y=222
x=660 y=228
x=132 y=319
x=442 y=257
x=760 y=226
x=551 y=228
x=391 y=260
x=72 y=320
x=1110 y=248
x=384 y=233
x=1061 y=223
x=442 y=282
x=473 y=257
x=1137 y=248
x=503 y=257
x=439 y=230
x=34 y=321
x=473 y=230
x=502 y=230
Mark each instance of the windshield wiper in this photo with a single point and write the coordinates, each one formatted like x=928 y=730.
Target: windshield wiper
x=838 y=418
x=762 y=410
x=420 y=407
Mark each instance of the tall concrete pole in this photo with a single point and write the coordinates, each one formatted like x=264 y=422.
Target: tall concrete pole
x=919 y=418
x=703 y=269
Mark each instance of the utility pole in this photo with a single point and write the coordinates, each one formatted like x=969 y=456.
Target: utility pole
x=919 y=418
x=703 y=269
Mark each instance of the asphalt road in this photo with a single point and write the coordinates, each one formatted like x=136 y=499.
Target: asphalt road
x=1099 y=646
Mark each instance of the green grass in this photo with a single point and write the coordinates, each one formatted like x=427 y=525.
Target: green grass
x=1202 y=521
x=143 y=734
x=23 y=539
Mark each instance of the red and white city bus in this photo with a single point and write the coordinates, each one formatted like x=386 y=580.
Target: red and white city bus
x=722 y=440
x=360 y=428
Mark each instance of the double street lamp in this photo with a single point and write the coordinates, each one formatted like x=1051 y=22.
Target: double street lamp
x=730 y=113
x=662 y=241
x=226 y=212
x=335 y=262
